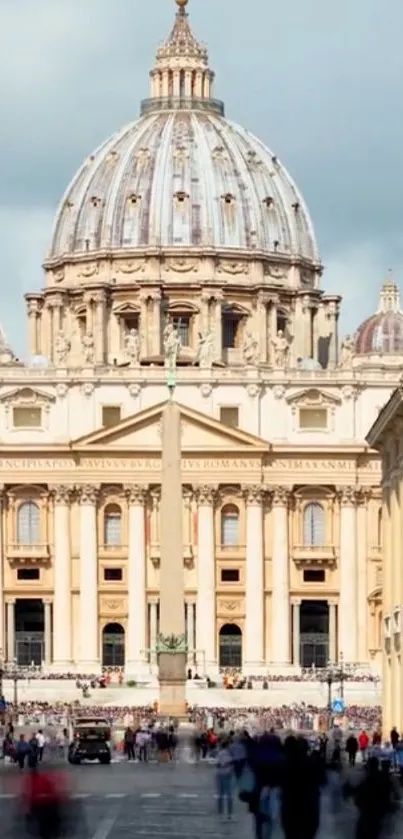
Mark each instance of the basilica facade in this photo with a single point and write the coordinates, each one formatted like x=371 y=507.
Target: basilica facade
x=183 y=226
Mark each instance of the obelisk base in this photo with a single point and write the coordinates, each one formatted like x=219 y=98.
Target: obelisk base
x=172 y=679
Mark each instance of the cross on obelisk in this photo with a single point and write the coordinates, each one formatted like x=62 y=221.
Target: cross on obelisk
x=171 y=647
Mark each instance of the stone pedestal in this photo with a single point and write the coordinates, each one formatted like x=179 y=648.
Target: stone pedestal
x=172 y=679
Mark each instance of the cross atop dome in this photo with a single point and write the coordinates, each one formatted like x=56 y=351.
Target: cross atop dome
x=181 y=77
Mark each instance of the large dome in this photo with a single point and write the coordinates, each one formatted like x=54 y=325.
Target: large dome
x=182 y=175
x=183 y=179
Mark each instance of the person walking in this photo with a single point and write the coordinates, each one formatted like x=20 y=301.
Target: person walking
x=21 y=751
x=224 y=779
x=352 y=749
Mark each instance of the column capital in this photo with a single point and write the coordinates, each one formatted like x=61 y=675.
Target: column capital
x=332 y=601
x=61 y=494
x=87 y=494
x=296 y=601
x=347 y=495
x=205 y=495
x=280 y=495
x=47 y=601
x=253 y=494
x=363 y=495
x=135 y=494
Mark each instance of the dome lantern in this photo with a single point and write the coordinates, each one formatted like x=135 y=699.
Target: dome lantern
x=181 y=77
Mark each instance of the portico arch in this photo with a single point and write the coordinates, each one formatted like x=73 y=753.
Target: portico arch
x=230 y=646
x=113 y=645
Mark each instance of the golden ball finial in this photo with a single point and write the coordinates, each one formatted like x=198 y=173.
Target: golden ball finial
x=181 y=3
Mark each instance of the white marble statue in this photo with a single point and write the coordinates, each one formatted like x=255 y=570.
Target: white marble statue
x=62 y=348
x=132 y=347
x=172 y=346
x=250 y=349
x=205 y=350
x=88 y=347
x=281 y=347
x=347 y=351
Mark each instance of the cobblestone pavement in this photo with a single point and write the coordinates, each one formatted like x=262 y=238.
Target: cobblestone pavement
x=157 y=801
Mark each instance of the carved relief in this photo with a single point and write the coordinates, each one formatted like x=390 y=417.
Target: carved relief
x=62 y=494
x=280 y=496
x=134 y=390
x=87 y=494
x=88 y=269
x=27 y=396
x=347 y=495
x=135 y=494
x=253 y=494
x=313 y=398
x=206 y=389
x=205 y=495
x=131 y=267
x=87 y=389
x=233 y=268
x=182 y=266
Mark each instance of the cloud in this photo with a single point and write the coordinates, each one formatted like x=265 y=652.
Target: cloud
x=320 y=84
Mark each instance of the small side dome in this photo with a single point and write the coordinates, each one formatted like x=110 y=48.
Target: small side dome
x=308 y=364
x=382 y=332
x=38 y=361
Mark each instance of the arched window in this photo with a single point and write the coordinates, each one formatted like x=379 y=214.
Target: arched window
x=28 y=523
x=112 y=525
x=379 y=531
x=229 y=525
x=314 y=524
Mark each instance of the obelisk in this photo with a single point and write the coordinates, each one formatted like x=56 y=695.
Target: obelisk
x=171 y=647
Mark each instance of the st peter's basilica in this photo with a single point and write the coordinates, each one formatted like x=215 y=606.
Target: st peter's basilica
x=183 y=227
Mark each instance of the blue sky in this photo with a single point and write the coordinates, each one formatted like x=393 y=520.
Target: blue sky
x=320 y=83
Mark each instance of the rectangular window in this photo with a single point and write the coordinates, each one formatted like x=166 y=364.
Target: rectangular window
x=28 y=574
x=313 y=419
x=230 y=575
x=182 y=325
x=113 y=575
x=111 y=415
x=230 y=333
x=230 y=415
x=27 y=417
x=314 y=575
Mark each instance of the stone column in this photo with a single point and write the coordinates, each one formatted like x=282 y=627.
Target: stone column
x=2 y=608
x=280 y=605
x=218 y=326
x=99 y=327
x=348 y=575
x=136 y=628
x=156 y=347
x=206 y=606
x=153 y=632
x=332 y=631
x=296 y=632
x=62 y=617
x=254 y=609
x=89 y=645
x=10 y=630
x=190 y=630
x=363 y=642
x=48 y=632
x=33 y=312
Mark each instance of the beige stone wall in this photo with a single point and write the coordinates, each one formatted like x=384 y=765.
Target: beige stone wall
x=259 y=602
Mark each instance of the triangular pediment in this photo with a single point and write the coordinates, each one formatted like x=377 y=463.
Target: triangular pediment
x=313 y=397
x=142 y=431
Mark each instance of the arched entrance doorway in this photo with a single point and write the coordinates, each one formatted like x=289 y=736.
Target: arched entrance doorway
x=113 y=645
x=230 y=649
x=314 y=637
x=29 y=632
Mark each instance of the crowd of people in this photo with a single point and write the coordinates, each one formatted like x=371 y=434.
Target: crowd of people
x=298 y=716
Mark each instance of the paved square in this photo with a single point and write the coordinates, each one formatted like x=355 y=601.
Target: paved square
x=171 y=800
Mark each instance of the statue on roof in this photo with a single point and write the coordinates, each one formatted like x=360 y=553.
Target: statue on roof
x=205 y=350
x=347 y=351
x=132 y=347
x=172 y=347
x=62 y=348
